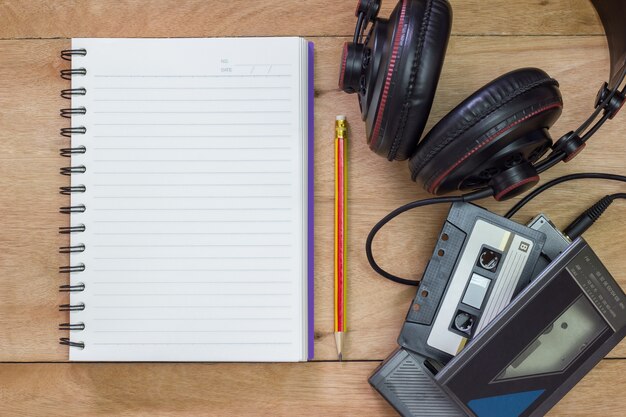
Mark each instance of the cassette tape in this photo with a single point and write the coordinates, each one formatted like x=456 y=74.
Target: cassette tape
x=481 y=261
x=543 y=343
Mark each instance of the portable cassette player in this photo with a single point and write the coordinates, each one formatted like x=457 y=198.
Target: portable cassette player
x=542 y=312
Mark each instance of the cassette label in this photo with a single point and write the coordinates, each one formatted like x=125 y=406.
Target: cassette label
x=493 y=260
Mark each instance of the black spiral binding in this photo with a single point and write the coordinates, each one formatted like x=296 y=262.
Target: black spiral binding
x=68 y=269
x=68 y=113
x=81 y=169
x=68 y=132
x=72 y=307
x=67 y=54
x=68 y=152
x=72 y=326
x=67 y=74
x=67 y=342
x=73 y=209
x=72 y=249
x=73 y=189
x=80 y=287
x=68 y=93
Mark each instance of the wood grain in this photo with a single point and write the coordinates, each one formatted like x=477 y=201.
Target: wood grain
x=199 y=18
x=29 y=166
x=564 y=42
x=168 y=390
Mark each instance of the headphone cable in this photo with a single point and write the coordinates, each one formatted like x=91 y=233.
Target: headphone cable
x=477 y=195
x=560 y=180
x=582 y=223
x=590 y=216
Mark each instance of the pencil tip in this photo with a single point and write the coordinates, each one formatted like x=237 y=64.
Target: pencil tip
x=339 y=342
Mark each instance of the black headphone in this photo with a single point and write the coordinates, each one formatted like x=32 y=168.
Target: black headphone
x=496 y=139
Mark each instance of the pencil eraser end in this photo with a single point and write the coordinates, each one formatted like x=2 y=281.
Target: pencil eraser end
x=341 y=117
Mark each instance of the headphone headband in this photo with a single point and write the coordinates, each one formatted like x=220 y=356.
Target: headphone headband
x=612 y=14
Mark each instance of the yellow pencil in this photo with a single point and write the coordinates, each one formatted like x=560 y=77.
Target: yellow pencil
x=340 y=231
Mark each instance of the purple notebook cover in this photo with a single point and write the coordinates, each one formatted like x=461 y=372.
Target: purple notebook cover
x=311 y=196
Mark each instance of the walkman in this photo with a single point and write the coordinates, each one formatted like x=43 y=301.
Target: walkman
x=526 y=359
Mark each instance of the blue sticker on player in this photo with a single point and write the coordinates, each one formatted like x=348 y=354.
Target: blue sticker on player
x=509 y=405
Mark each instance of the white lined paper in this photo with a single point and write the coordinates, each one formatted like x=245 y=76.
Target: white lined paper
x=196 y=206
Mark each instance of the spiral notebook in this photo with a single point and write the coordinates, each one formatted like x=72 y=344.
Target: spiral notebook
x=190 y=218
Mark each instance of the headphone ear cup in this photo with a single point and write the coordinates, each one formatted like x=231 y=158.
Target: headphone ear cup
x=407 y=81
x=503 y=124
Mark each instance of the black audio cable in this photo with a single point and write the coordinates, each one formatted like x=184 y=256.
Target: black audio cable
x=477 y=195
x=589 y=216
x=575 y=229
x=560 y=180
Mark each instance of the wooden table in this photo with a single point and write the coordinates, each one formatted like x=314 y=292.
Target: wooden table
x=563 y=37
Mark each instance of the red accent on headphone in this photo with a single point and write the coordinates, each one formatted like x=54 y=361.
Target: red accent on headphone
x=432 y=189
x=358 y=6
x=510 y=188
x=344 y=60
x=392 y=63
x=573 y=154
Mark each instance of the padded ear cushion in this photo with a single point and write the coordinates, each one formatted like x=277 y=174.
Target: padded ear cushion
x=527 y=96
x=418 y=49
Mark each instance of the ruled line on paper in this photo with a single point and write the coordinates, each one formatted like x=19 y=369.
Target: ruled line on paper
x=213 y=148
x=198 y=319
x=261 y=65
x=286 y=87
x=196 y=209
x=189 y=184
x=191 y=270
x=192 y=221
x=192 y=246
x=188 y=282
x=194 y=343
x=253 y=136
x=121 y=258
x=185 y=172
x=195 y=295
x=170 y=100
x=193 y=160
x=188 y=306
x=196 y=331
x=193 y=233
x=192 y=76
x=189 y=197
x=194 y=124
x=197 y=112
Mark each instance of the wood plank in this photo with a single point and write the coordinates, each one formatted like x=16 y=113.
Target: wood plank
x=314 y=389
x=200 y=18
x=29 y=175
